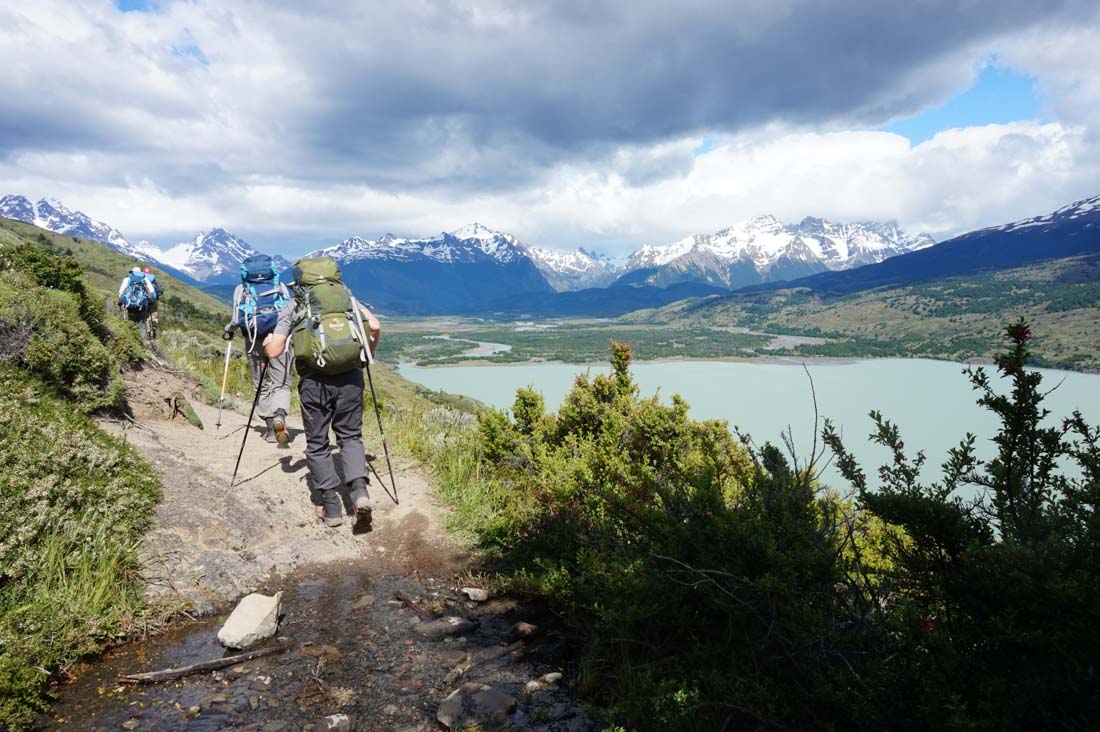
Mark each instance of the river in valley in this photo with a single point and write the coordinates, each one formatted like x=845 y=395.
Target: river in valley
x=931 y=401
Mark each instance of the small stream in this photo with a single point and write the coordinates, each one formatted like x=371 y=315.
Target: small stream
x=354 y=650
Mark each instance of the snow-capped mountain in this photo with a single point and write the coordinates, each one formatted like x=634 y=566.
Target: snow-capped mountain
x=764 y=249
x=475 y=242
x=471 y=243
x=471 y=269
x=1071 y=231
x=576 y=270
x=212 y=257
x=1085 y=211
x=52 y=215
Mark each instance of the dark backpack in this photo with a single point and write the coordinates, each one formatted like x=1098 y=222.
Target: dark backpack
x=136 y=298
x=261 y=297
x=328 y=336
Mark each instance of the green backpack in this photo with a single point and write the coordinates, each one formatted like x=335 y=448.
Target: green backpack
x=328 y=335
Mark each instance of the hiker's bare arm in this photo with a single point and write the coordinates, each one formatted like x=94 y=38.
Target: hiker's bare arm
x=274 y=345
x=374 y=326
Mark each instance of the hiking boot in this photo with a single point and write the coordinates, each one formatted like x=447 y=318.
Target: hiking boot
x=361 y=500
x=333 y=508
x=279 y=427
x=269 y=432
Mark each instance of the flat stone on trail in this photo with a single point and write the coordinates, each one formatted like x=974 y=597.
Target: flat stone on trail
x=445 y=626
x=255 y=618
x=475 y=704
x=476 y=594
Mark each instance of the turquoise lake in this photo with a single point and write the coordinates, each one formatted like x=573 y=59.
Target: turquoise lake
x=931 y=401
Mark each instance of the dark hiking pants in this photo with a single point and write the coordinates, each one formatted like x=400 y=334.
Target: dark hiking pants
x=336 y=401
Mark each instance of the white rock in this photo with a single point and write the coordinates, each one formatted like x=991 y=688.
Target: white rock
x=337 y=722
x=255 y=618
x=551 y=680
x=476 y=594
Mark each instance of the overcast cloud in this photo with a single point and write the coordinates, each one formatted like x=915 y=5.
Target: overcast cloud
x=566 y=123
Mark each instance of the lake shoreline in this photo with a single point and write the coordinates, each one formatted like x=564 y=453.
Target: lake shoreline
x=771 y=360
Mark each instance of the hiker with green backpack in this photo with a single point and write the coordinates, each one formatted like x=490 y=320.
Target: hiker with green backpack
x=257 y=302
x=324 y=325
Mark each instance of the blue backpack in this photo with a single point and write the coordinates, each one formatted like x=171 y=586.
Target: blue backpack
x=261 y=299
x=136 y=298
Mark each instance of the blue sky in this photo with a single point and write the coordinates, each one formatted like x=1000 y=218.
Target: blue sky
x=998 y=95
x=127 y=6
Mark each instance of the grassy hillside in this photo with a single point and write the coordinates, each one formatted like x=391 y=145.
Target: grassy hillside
x=104 y=268
x=73 y=500
x=954 y=318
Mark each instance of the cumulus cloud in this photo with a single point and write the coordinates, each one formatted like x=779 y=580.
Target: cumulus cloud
x=566 y=121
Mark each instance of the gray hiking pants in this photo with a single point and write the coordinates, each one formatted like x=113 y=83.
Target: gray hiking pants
x=336 y=401
x=275 y=391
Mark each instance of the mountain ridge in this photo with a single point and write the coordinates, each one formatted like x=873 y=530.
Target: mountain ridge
x=764 y=249
x=212 y=257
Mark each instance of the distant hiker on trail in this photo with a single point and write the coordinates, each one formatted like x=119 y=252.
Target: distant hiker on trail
x=257 y=303
x=136 y=295
x=154 y=305
x=324 y=324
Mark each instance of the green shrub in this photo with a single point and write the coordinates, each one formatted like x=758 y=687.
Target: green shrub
x=704 y=577
x=56 y=344
x=994 y=616
x=73 y=503
x=53 y=324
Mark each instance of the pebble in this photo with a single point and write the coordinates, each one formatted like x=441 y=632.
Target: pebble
x=131 y=724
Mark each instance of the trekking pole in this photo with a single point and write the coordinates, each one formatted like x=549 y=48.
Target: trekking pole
x=248 y=427
x=385 y=448
x=225 y=380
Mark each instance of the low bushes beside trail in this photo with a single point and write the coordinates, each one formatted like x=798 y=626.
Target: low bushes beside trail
x=714 y=585
x=73 y=500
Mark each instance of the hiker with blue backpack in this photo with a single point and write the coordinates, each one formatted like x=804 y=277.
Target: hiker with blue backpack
x=257 y=302
x=136 y=295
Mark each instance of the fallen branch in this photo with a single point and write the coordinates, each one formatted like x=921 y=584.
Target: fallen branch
x=411 y=604
x=170 y=674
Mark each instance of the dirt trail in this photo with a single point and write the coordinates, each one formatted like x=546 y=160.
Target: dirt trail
x=360 y=658
x=212 y=543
